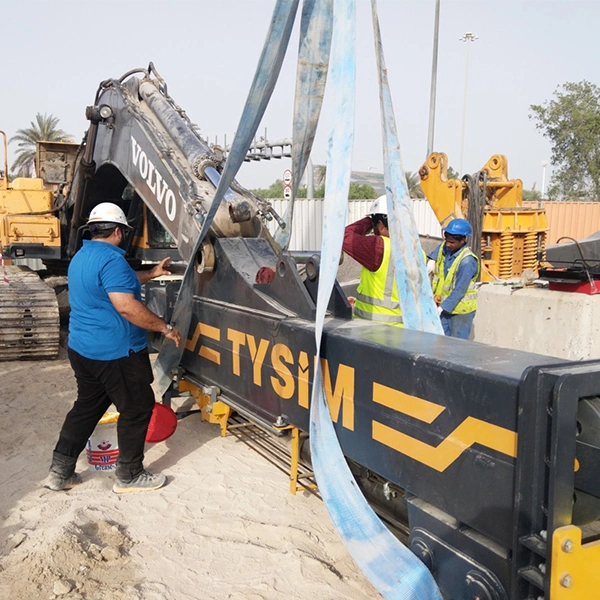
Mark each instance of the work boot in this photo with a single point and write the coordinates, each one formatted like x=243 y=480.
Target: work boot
x=62 y=474
x=144 y=482
x=57 y=482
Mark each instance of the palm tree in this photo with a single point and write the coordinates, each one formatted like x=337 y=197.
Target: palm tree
x=44 y=129
x=413 y=183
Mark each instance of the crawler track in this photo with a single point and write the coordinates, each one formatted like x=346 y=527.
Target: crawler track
x=29 y=319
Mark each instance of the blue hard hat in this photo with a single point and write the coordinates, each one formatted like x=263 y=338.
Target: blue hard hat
x=459 y=227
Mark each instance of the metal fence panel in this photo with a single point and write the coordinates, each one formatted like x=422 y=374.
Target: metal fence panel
x=308 y=220
x=577 y=220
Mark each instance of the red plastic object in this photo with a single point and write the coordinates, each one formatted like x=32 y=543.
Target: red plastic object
x=163 y=424
x=579 y=287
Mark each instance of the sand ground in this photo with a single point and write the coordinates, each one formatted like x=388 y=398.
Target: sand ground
x=224 y=527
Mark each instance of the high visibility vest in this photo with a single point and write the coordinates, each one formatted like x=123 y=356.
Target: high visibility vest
x=377 y=295
x=443 y=286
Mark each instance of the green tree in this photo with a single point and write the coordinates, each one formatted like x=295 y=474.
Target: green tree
x=452 y=174
x=413 y=183
x=532 y=195
x=356 y=191
x=275 y=190
x=45 y=128
x=571 y=121
x=361 y=191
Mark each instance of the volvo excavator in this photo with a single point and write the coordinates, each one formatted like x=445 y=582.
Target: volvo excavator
x=482 y=460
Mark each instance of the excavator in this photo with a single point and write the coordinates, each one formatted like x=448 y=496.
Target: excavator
x=482 y=460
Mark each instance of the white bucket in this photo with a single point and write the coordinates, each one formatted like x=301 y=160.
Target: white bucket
x=102 y=448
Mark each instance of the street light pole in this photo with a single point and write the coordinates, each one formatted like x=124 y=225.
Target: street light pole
x=544 y=165
x=436 y=32
x=468 y=37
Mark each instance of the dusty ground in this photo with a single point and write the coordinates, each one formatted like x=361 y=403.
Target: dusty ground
x=225 y=526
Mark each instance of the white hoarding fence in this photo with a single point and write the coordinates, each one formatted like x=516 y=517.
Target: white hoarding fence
x=308 y=220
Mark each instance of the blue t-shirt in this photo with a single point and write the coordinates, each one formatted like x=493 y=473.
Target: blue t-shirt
x=96 y=329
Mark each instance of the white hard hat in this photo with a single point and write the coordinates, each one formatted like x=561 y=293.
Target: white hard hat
x=107 y=212
x=378 y=207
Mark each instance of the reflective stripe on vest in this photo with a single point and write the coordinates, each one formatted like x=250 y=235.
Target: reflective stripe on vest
x=444 y=285
x=377 y=295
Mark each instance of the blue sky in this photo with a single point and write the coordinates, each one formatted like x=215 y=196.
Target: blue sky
x=56 y=52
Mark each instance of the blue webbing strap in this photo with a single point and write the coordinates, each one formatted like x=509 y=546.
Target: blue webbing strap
x=390 y=566
x=311 y=77
x=414 y=290
x=260 y=92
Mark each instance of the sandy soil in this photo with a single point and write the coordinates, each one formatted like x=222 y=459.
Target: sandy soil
x=225 y=526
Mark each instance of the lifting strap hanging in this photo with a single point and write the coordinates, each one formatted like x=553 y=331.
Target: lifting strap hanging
x=390 y=566
x=416 y=297
x=311 y=77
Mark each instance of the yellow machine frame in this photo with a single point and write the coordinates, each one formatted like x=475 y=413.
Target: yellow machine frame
x=513 y=237
x=19 y=204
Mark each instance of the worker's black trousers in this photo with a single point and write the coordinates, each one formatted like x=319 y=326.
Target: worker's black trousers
x=124 y=382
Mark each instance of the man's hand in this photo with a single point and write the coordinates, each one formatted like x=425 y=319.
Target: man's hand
x=161 y=268
x=174 y=335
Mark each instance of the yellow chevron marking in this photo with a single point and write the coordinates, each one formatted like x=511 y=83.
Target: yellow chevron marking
x=210 y=332
x=470 y=431
x=409 y=405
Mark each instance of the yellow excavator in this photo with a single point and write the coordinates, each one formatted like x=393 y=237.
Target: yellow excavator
x=31 y=228
x=509 y=237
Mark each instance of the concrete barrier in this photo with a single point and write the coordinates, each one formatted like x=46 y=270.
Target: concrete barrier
x=561 y=324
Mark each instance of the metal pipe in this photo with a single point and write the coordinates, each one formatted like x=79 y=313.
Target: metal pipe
x=434 y=62
x=196 y=151
x=5 y=160
x=193 y=148
x=468 y=37
x=214 y=177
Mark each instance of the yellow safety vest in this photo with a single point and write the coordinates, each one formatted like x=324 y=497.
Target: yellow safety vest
x=443 y=286
x=377 y=294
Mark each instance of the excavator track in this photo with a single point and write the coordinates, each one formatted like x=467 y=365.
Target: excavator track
x=29 y=317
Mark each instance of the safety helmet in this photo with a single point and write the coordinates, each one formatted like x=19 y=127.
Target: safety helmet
x=107 y=212
x=378 y=207
x=459 y=227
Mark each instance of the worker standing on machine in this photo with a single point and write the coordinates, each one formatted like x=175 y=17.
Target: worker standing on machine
x=454 y=280
x=377 y=295
x=108 y=352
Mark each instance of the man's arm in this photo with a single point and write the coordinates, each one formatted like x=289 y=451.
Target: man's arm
x=157 y=271
x=465 y=272
x=135 y=312
x=367 y=250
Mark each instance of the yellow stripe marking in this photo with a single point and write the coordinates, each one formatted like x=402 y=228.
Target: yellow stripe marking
x=409 y=405
x=470 y=431
x=208 y=331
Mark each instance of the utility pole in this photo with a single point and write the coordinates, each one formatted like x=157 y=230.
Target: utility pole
x=468 y=37
x=434 y=62
x=544 y=165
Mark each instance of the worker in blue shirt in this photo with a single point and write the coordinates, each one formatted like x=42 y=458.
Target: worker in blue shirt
x=108 y=351
x=454 y=280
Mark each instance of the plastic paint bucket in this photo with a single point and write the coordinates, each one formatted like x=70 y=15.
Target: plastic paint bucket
x=102 y=448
